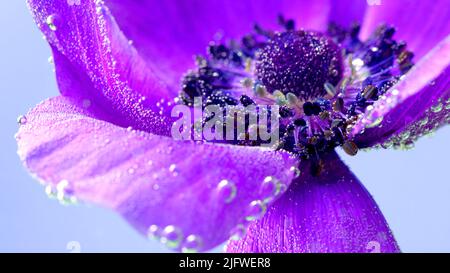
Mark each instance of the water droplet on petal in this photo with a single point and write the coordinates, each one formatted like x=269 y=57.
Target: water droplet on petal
x=51 y=22
x=192 y=244
x=437 y=108
x=409 y=145
x=295 y=171
x=405 y=135
x=50 y=191
x=173 y=169
x=387 y=144
x=423 y=121
x=256 y=210
x=270 y=188
x=154 y=232
x=171 y=236
x=227 y=191
x=447 y=107
x=64 y=193
x=22 y=120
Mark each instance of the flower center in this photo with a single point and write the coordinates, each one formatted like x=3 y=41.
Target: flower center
x=299 y=62
x=321 y=82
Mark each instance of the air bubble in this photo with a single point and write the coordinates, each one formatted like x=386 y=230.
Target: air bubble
x=227 y=191
x=447 y=107
x=50 y=191
x=423 y=121
x=154 y=232
x=51 y=22
x=192 y=244
x=173 y=169
x=270 y=188
x=256 y=210
x=409 y=145
x=437 y=108
x=295 y=171
x=22 y=120
x=171 y=236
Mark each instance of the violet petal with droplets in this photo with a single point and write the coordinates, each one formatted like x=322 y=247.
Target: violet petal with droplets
x=340 y=77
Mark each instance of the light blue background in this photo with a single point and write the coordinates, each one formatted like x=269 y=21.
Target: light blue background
x=412 y=188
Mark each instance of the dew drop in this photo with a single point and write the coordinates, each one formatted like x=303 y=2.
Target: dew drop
x=51 y=22
x=409 y=145
x=437 y=108
x=387 y=144
x=50 y=191
x=171 y=236
x=423 y=121
x=227 y=191
x=192 y=244
x=154 y=232
x=405 y=135
x=62 y=185
x=173 y=169
x=22 y=120
x=64 y=193
x=270 y=188
x=447 y=107
x=295 y=171
x=256 y=210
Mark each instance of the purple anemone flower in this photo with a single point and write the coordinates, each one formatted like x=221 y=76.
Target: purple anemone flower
x=350 y=74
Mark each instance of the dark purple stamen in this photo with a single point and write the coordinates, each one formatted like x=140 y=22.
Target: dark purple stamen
x=320 y=81
x=299 y=62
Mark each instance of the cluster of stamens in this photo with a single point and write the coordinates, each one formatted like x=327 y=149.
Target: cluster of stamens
x=322 y=82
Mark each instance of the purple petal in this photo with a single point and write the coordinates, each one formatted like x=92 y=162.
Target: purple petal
x=416 y=105
x=95 y=62
x=422 y=24
x=347 y=12
x=329 y=213
x=195 y=194
x=168 y=34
